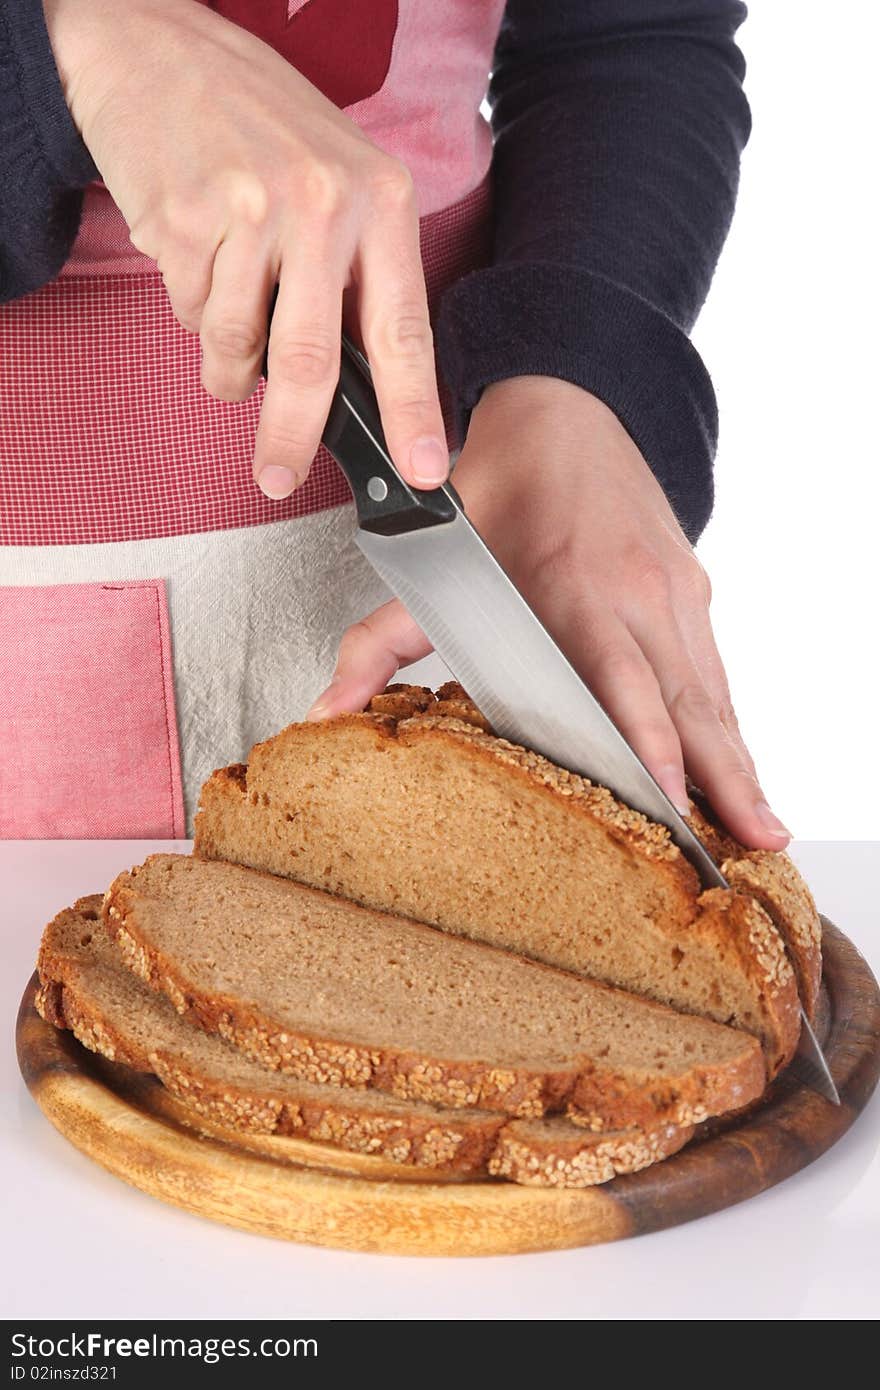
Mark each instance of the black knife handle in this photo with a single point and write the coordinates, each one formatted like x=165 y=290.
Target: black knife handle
x=353 y=435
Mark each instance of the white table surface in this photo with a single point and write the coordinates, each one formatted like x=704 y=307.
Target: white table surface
x=78 y=1243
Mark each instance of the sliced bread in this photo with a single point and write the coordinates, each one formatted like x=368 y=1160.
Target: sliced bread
x=775 y=882
x=413 y=808
x=332 y=992
x=85 y=987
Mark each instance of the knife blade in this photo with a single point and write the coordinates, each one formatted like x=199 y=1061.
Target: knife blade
x=432 y=558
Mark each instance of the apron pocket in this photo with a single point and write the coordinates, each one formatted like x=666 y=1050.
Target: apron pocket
x=89 y=734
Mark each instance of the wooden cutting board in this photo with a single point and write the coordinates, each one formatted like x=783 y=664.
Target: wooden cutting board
x=298 y=1190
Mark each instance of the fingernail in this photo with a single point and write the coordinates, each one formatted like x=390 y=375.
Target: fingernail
x=276 y=481
x=429 y=461
x=771 y=822
x=672 y=782
x=321 y=708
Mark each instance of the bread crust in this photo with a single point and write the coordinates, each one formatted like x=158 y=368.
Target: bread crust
x=774 y=881
x=564 y=1160
x=616 y=1098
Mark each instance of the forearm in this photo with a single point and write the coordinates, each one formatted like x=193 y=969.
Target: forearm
x=44 y=164
x=618 y=133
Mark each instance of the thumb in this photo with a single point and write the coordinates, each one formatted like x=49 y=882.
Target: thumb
x=370 y=655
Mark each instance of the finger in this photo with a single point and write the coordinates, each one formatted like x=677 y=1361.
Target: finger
x=712 y=757
x=397 y=335
x=696 y=629
x=233 y=323
x=187 y=280
x=622 y=681
x=369 y=656
x=304 y=348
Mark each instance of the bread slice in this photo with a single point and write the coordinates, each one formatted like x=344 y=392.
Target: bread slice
x=774 y=881
x=331 y=992
x=85 y=987
x=412 y=807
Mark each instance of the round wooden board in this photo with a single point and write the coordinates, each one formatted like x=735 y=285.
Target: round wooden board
x=296 y=1190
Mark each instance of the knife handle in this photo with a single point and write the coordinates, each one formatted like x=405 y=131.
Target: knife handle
x=353 y=435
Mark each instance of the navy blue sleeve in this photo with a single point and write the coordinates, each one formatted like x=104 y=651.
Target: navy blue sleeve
x=44 y=164
x=618 y=128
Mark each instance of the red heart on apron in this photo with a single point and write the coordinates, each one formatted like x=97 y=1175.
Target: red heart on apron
x=343 y=49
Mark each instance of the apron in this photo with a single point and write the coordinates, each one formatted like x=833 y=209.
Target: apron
x=158 y=614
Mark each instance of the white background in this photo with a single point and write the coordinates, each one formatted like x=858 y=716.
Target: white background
x=789 y=335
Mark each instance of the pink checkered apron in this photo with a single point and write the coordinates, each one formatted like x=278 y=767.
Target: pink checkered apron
x=108 y=437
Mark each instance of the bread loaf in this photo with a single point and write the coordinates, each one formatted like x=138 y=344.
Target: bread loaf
x=414 y=808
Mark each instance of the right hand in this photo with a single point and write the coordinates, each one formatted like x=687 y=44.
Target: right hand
x=234 y=173
x=570 y=508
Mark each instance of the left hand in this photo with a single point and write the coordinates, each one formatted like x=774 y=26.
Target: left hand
x=569 y=507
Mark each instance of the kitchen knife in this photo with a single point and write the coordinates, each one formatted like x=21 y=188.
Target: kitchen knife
x=433 y=559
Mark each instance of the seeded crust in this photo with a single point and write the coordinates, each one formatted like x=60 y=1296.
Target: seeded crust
x=247 y=816
x=729 y=1073
x=776 y=883
x=86 y=988
x=549 y=1153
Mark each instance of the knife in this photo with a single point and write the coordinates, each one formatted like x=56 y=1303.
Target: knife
x=428 y=553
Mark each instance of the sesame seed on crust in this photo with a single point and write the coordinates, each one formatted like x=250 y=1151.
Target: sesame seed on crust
x=558 y=1159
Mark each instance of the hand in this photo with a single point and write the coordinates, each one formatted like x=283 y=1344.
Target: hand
x=569 y=507
x=234 y=173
